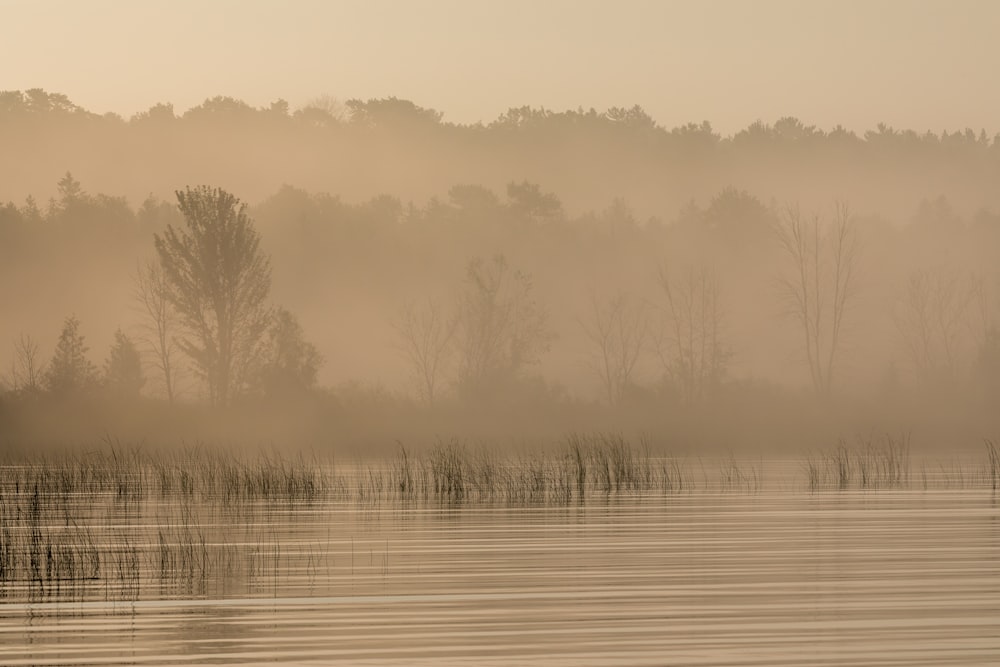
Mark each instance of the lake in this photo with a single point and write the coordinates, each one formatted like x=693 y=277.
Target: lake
x=696 y=577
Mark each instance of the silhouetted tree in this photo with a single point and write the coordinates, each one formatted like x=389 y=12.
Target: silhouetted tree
x=425 y=339
x=27 y=370
x=222 y=109
x=501 y=328
x=218 y=280
x=155 y=214
x=617 y=328
x=70 y=372
x=322 y=111
x=983 y=302
x=987 y=366
x=528 y=200
x=391 y=112
x=932 y=318
x=31 y=213
x=160 y=114
x=820 y=284
x=738 y=219
x=70 y=190
x=473 y=201
x=691 y=343
x=123 y=376
x=290 y=363
x=159 y=322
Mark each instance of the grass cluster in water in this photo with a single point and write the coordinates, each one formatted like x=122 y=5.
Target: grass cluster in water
x=113 y=521
x=870 y=464
x=585 y=466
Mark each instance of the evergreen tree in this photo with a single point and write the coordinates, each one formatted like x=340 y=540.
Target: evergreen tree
x=123 y=370
x=70 y=372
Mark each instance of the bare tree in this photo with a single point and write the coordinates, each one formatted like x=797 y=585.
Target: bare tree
x=820 y=284
x=27 y=370
x=986 y=336
x=329 y=105
x=982 y=300
x=691 y=344
x=930 y=318
x=159 y=322
x=618 y=329
x=501 y=328
x=425 y=336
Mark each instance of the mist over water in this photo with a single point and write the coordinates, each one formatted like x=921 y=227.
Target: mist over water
x=506 y=355
x=582 y=270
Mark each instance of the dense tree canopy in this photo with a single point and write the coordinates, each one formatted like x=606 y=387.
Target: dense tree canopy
x=586 y=157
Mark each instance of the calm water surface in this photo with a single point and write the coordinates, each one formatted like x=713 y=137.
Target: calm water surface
x=838 y=578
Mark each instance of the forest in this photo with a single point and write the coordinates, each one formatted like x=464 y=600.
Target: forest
x=405 y=278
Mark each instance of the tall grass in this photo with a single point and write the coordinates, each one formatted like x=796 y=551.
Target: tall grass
x=869 y=463
x=115 y=520
x=992 y=464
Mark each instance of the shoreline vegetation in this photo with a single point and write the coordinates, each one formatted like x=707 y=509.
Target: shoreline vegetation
x=105 y=522
x=711 y=292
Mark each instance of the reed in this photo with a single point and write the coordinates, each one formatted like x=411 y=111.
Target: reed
x=992 y=464
x=868 y=464
x=116 y=520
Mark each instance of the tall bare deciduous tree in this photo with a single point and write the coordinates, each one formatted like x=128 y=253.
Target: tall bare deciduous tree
x=426 y=333
x=986 y=336
x=691 y=344
x=820 y=284
x=501 y=327
x=27 y=370
x=159 y=322
x=218 y=281
x=983 y=305
x=617 y=329
x=932 y=319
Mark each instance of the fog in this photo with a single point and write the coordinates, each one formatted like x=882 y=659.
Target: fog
x=545 y=272
x=563 y=332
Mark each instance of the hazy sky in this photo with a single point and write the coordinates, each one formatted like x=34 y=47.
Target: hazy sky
x=920 y=65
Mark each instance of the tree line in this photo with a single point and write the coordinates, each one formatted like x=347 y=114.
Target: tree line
x=204 y=300
x=587 y=156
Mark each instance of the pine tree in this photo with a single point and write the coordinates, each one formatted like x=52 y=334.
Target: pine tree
x=123 y=376
x=70 y=372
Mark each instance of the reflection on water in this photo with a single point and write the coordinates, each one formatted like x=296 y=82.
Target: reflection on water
x=893 y=577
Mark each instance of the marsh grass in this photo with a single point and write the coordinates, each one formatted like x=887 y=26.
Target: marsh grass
x=992 y=464
x=115 y=521
x=870 y=463
x=741 y=477
x=584 y=466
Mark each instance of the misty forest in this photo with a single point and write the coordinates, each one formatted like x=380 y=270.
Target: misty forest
x=350 y=383
x=365 y=272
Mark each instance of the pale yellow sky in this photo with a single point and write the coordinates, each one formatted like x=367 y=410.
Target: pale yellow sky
x=919 y=65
